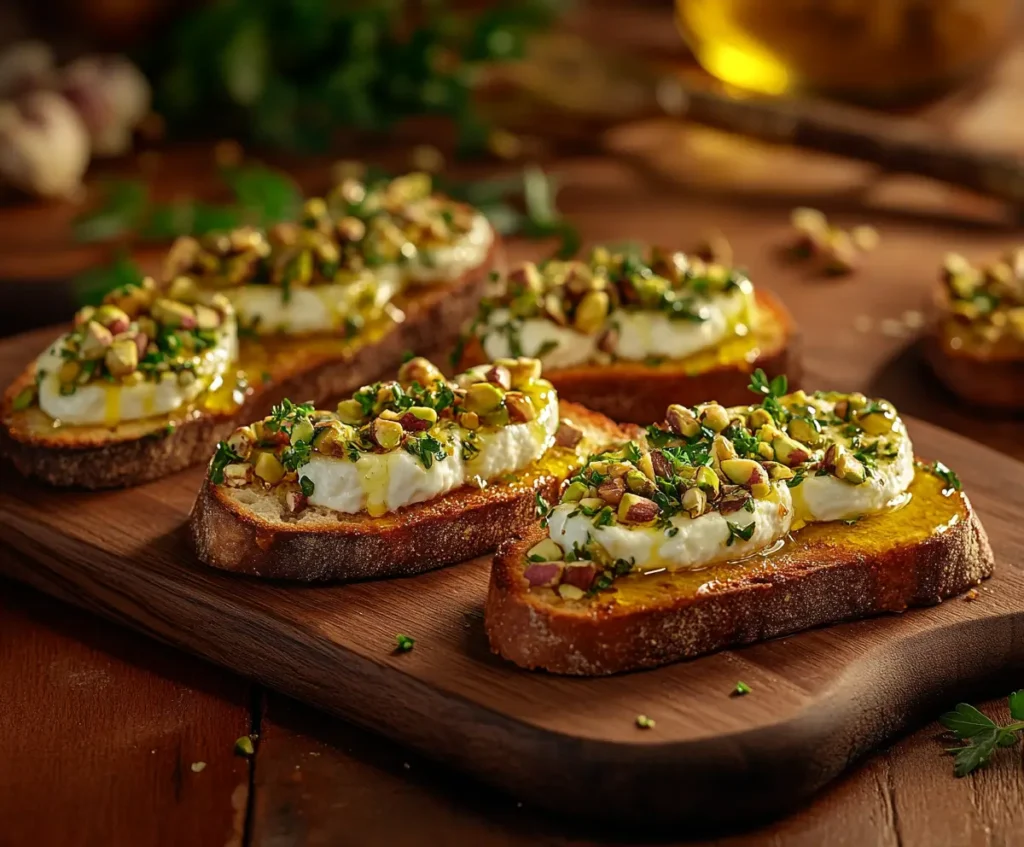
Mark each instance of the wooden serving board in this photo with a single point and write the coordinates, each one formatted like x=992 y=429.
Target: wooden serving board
x=820 y=699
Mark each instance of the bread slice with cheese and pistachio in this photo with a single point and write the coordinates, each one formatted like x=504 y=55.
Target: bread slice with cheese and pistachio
x=622 y=331
x=150 y=381
x=340 y=266
x=402 y=477
x=722 y=526
x=976 y=346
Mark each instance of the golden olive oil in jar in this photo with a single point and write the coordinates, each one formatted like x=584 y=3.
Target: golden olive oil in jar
x=875 y=51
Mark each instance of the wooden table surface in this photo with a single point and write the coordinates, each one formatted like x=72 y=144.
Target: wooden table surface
x=108 y=738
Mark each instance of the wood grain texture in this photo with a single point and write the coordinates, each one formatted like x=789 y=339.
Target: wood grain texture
x=320 y=781
x=828 y=695
x=99 y=731
x=670 y=184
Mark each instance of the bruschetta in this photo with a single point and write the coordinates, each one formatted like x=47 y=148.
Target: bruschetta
x=727 y=525
x=401 y=477
x=621 y=332
x=311 y=309
x=977 y=344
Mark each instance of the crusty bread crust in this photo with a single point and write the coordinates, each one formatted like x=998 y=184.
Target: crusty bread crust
x=636 y=392
x=325 y=545
x=984 y=382
x=821 y=586
x=138 y=452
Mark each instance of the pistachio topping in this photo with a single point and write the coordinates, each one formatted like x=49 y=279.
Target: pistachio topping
x=421 y=413
x=141 y=334
x=745 y=464
x=987 y=299
x=596 y=298
x=358 y=226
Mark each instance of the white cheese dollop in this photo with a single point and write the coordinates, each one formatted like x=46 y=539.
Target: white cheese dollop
x=316 y=308
x=561 y=346
x=108 y=403
x=641 y=333
x=696 y=542
x=446 y=263
x=326 y=307
x=689 y=544
x=825 y=498
x=384 y=482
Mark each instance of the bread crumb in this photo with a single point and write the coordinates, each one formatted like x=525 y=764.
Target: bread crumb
x=198 y=767
x=971 y=595
x=893 y=328
x=913 y=319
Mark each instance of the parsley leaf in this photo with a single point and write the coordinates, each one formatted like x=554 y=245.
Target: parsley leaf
x=297 y=455
x=223 y=457
x=983 y=735
x=427 y=449
x=543 y=508
x=965 y=721
x=744 y=533
x=760 y=384
x=951 y=480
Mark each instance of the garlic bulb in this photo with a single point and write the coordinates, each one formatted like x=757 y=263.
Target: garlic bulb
x=112 y=96
x=44 y=144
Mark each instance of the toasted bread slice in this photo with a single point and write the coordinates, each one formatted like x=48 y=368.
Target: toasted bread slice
x=976 y=345
x=981 y=377
x=635 y=392
x=423 y=319
x=932 y=548
x=246 y=530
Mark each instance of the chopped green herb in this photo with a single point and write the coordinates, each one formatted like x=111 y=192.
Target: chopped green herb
x=243 y=746
x=405 y=643
x=644 y=722
x=741 y=689
x=427 y=449
x=297 y=455
x=760 y=384
x=222 y=457
x=307 y=486
x=543 y=508
x=545 y=348
x=951 y=480
x=744 y=533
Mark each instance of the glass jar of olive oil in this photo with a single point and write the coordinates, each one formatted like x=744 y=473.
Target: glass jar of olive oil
x=874 y=51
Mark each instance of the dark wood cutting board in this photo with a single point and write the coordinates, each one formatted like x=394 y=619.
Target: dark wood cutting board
x=820 y=699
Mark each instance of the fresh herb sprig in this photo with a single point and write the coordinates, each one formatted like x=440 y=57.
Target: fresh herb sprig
x=259 y=196
x=983 y=736
x=286 y=414
x=771 y=390
x=223 y=457
x=292 y=75
x=947 y=475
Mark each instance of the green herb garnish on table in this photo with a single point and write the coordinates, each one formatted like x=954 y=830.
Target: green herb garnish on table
x=292 y=75
x=983 y=736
